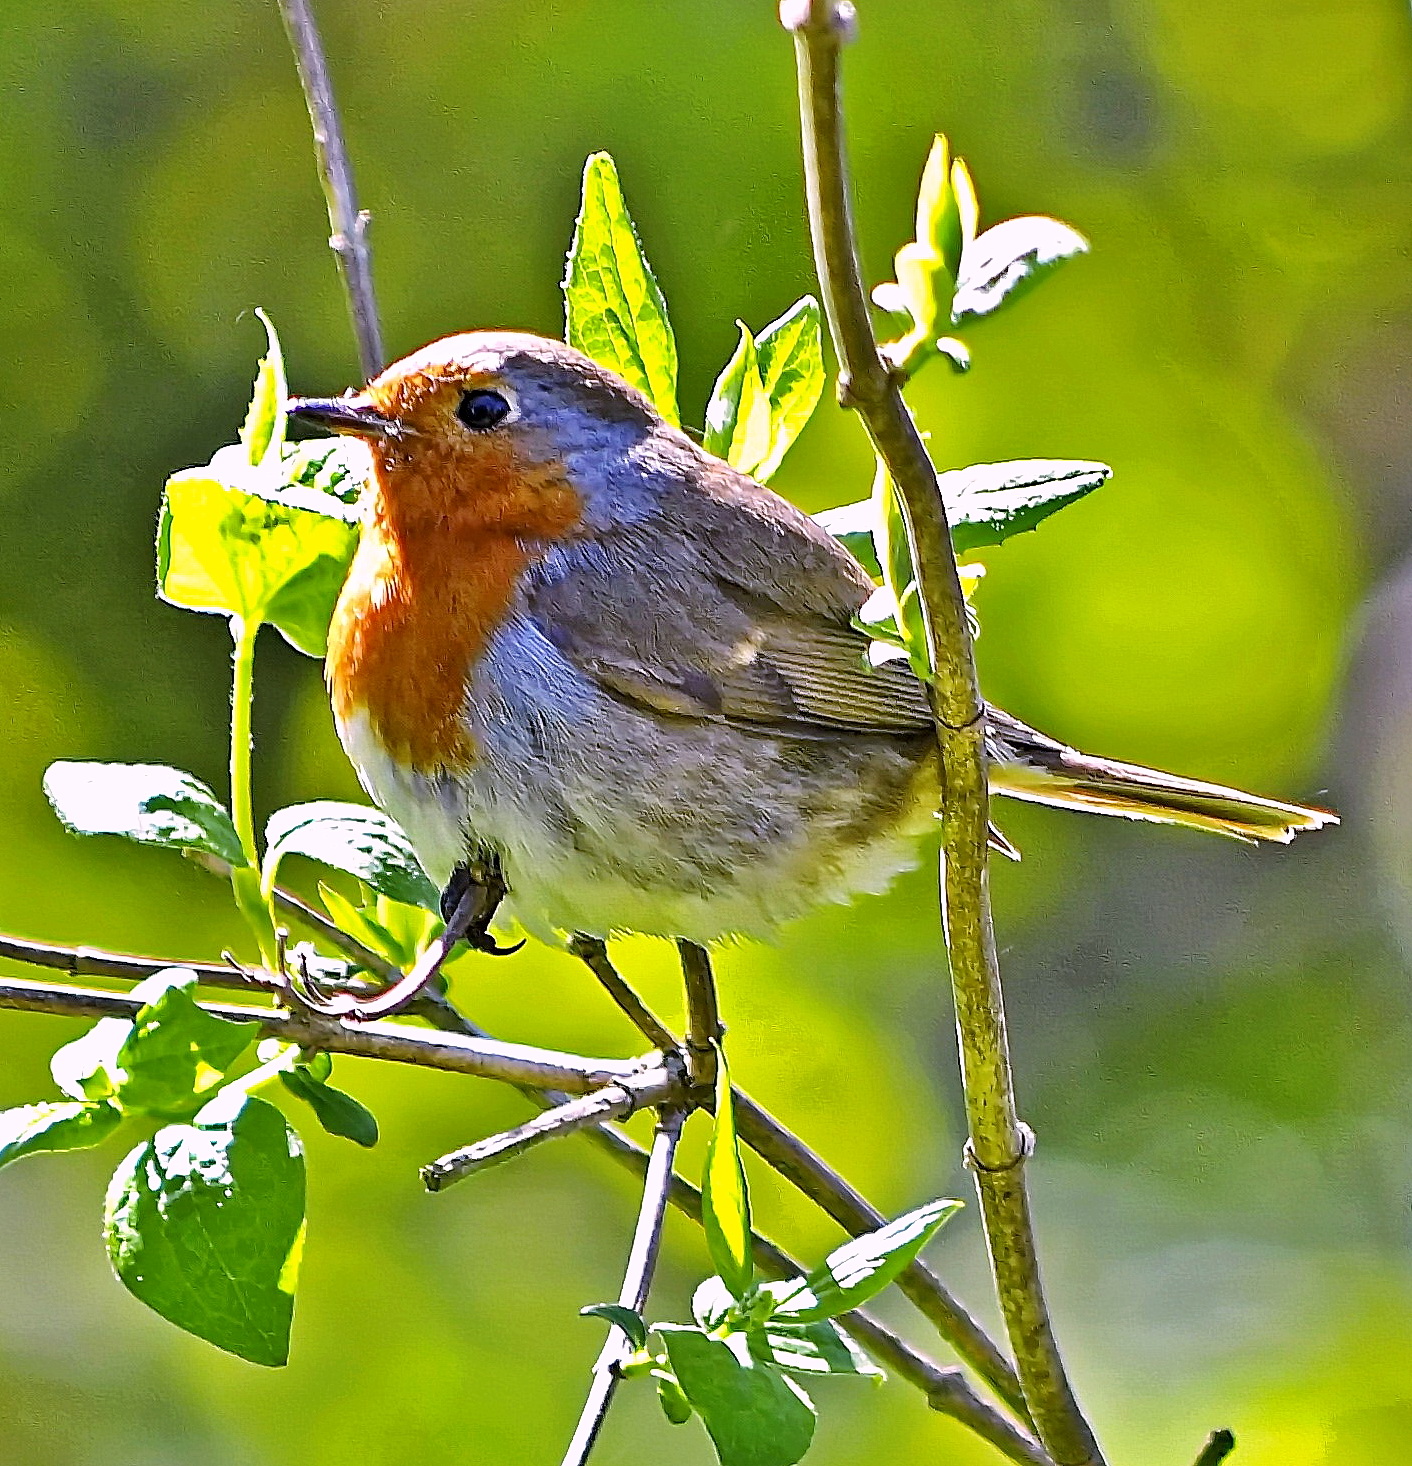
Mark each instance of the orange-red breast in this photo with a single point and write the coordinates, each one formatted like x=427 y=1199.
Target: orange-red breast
x=576 y=647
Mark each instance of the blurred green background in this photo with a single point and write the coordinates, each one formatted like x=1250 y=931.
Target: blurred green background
x=1212 y=1042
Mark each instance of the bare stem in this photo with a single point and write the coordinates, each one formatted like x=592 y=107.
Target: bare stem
x=349 y=239
x=1218 y=1446
x=486 y=1058
x=594 y=954
x=637 y=1281
x=809 y=1173
x=613 y=1102
x=999 y=1144
x=704 y=1030
x=947 y=1390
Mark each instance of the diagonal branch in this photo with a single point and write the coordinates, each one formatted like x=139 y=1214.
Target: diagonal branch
x=637 y=1280
x=650 y=1081
x=810 y=1174
x=349 y=240
x=999 y=1143
x=946 y=1389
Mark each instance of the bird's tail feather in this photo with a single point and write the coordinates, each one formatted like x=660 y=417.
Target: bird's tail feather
x=1028 y=765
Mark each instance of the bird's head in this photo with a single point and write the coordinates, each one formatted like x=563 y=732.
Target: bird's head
x=494 y=430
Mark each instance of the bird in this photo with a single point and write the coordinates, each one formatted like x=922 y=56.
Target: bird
x=617 y=685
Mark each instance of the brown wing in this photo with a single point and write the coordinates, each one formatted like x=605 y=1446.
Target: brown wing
x=727 y=603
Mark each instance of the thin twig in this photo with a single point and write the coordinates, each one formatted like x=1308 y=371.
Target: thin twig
x=593 y=952
x=349 y=240
x=785 y=1153
x=947 y=1390
x=1218 y=1446
x=94 y=962
x=520 y=1064
x=413 y=1046
x=704 y=1030
x=637 y=1282
x=999 y=1144
x=613 y=1102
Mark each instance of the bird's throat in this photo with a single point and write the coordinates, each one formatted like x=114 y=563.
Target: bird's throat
x=415 y=615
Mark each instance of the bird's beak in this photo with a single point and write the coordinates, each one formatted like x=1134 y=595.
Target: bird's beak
x=354 y=415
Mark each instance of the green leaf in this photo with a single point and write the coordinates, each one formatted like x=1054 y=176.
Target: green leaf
x=767 y=392
x=1008 y=260
x=738 y=426
x=350 y=837
x=711 y=1303
x=176 y=1052
x=791 y=357
x=263 y=430
x=753 y=1413
x=330 y=469
x=985 y=504
x=989 y=502
x=339 y=1113
x=33 y=1129
x=230 y=543
x=861 y=1268
x=87 y=1068
x=629 y=1320
x=820 y=1347
x=613 y=307
x=672 y=1398
x=928 y=265
x=852 y=526
x=725 y=1201
x=205 y=1224
x=149 y=803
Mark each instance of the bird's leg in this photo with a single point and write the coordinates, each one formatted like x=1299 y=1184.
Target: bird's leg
x=483 y=879
x=468 y=905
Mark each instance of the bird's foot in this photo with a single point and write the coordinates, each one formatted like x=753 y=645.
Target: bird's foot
x=468 y=906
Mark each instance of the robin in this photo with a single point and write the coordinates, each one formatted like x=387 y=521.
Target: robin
x=593 y=669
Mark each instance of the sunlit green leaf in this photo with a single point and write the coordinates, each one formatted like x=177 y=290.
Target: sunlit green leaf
x=820 y=1347
x=989 y=502
x=625 y=1318
x=87 y=1068
x=350 y=837
x=34 y=1129
x=725 y=1201
x=263 y=430
x=755 y=1415
x=985 y=504
x=176 y=1052
x=738 y=425
x=861 y=1268
x=711 y=1302
x=852 y=526
x=261 y=556
x=205 y=1224
x=1008 y=260
x=339 y=1113
x=767 y=392
x=613 y=306
x=149 y=803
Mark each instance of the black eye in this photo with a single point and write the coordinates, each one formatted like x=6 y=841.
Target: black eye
x=482 y=410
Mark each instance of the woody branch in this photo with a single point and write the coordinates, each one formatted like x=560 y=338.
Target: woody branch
x=462 y=1047
x=999 y=1143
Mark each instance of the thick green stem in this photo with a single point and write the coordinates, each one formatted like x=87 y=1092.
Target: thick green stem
x=245 y=880
x=999 y=1143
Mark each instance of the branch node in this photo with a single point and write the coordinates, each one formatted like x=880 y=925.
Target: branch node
x=835 y=19
x=1026 y=1137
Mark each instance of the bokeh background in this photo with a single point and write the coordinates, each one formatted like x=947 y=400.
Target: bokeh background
x=1212 y=1042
